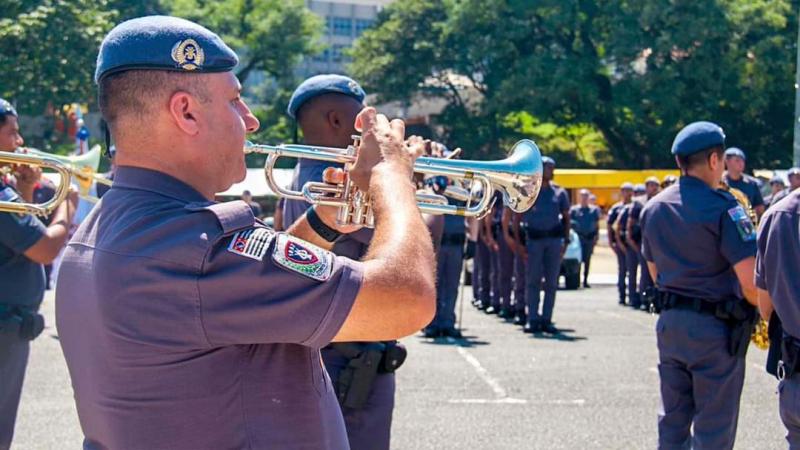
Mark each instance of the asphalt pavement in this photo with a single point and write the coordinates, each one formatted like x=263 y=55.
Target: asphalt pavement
x=594 y=386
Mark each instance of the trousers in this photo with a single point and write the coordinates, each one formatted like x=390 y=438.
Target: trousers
x=448 y=274
x=544 y=262
x=13 y=360
x=701 y=383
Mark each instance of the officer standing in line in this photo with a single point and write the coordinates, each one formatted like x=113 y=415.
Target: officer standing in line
x=195 y=308
x=631 y=252
x=776 y=185
x=735 y=160
x=634 y=233
x=700 y=245
x=247 y=197
x=450 y=261
x=777 y=263
x=626 y=192
x=510 y=219
x=669 y=180
x=325 y=108
x=547 y=227
x=794 y=183
x=26 y=245
x=503 y=262
x=481 y=268
x=585 y=220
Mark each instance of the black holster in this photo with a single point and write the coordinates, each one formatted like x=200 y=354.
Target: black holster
x=367 y=360
x=24 y=322
x=775 y=332
x=789 y=364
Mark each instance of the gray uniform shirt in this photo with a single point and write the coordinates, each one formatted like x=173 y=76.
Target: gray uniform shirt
x=778 y=260
x=584 y=219
x=695 y=235
x=187 y=324
x=22 y=281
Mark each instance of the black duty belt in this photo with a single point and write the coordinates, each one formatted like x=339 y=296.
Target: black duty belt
x=453 y=239
x=366 y=361
x=557 y=232
x=21 y=320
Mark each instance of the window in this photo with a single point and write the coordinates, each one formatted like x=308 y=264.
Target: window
x=340 y=26
x=363 y=24
x=337 y=53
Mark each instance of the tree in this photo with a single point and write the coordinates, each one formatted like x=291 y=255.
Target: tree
x=635 y=71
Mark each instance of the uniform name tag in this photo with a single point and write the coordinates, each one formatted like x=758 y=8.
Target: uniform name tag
x=252 y=243
x=746 y=229
x=301 y=257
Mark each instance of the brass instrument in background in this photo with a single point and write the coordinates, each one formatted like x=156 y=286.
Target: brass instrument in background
x=83 y=168
x=760 y=336
x=518 y=178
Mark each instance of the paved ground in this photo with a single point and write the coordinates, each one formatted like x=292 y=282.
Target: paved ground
x=593 y=387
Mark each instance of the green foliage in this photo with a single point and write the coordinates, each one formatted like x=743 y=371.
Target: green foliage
x=269 y=35
x=634 y=71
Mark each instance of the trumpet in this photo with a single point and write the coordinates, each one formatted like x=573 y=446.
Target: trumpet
x=83 y=168
x=518 y=177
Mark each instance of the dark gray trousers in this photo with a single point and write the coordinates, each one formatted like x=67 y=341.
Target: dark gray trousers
x=503 y=269
x=449 y=262
x=519 y=284
x=622 y=271
x=481 y=286
x=790 y=409
x=632 y=263
x=13 y=360
x=701 y=383
x=544 y=262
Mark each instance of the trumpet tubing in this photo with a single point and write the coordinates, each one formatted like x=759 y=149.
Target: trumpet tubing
x=38 y=209
x=518 y=177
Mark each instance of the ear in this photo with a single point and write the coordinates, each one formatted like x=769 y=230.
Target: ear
x=185 y=112
x=334 y=119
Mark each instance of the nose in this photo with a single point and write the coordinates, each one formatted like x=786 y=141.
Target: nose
x=251 y=123
x=20 y=141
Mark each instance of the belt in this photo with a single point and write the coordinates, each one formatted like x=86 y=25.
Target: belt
x=557 y=232
x=675 y=301
x=587 y=236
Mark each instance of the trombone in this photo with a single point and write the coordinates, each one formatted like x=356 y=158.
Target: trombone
x=83 y=168
x=518 y=177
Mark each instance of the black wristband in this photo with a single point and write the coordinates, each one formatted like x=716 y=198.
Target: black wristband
x=319 y=227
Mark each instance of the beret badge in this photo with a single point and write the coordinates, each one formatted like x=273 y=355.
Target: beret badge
x=188 y=54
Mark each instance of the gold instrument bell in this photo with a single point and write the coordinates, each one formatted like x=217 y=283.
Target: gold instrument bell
x=83 y=169
x=760 y=336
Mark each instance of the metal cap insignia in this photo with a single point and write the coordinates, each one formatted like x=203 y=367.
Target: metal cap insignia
x=188 y=54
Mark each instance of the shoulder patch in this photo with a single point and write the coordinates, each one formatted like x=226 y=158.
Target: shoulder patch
x=252 y=243
x=299 y=256
x=743 y=224
x=8 y=195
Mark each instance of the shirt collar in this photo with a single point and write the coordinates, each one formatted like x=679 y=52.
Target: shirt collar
x=150 y=180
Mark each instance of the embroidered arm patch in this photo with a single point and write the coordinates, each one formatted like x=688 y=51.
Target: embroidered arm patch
x=746 y=229
x=251 y=243
x=301 y=257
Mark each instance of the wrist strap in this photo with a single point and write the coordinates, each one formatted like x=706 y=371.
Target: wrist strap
x=319 y=227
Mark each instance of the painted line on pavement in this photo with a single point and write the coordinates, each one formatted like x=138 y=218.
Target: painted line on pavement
x=501 y=395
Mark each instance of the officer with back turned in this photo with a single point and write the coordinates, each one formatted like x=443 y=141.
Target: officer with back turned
x=699 y=245
x=777 y=265
x=585 y=220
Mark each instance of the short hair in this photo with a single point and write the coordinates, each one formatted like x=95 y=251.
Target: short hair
x=699 y=158
x=136 y=91
x=246 y=192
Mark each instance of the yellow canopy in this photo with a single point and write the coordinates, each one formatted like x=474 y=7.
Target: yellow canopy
x=597 y=178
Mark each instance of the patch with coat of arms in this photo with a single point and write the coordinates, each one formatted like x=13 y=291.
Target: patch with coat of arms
x=251 y=243
x=745 y=227
x=301 y=257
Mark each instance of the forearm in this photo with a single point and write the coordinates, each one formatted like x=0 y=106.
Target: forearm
x=302 y=229
x=764 y=304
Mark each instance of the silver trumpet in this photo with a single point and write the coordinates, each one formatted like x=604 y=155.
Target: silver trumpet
x=518 y=177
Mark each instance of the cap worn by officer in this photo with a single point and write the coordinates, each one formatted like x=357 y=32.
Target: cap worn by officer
x=793 y=171
x=626 y=186
x=651 y=180
x=323 y=84
x=584 y=191
x=163 y=43
x=548 y=160
x=639 y=189
x=735 y=152
x=777 y=180
x=6 y=108
x=696 y=137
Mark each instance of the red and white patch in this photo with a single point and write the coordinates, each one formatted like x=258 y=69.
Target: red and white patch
x=252 y=243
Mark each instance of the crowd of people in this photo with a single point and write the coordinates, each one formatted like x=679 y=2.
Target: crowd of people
x=188 y=323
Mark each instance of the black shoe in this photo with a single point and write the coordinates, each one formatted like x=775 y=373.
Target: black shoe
x=520 y=319
x=586 y=284
x=482 y=306
x=505 y=313
x=452 y=333
x=491 y=310
x=636 y=305
x=549 y=328
x=532 y=328
x=431 y=332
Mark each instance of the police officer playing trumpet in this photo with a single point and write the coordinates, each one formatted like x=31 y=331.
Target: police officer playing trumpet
x=699 y=244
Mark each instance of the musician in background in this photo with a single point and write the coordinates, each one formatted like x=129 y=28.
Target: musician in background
x=735 y=161
x=26 y=245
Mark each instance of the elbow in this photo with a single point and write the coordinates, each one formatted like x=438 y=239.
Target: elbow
x=420 y=306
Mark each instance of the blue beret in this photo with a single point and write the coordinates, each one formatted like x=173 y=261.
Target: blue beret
x=696 y=137
x=733 y=151
x=323 y=84
x=627 y=185
x=163 y=43
x=6 y=108
x=548 y=160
